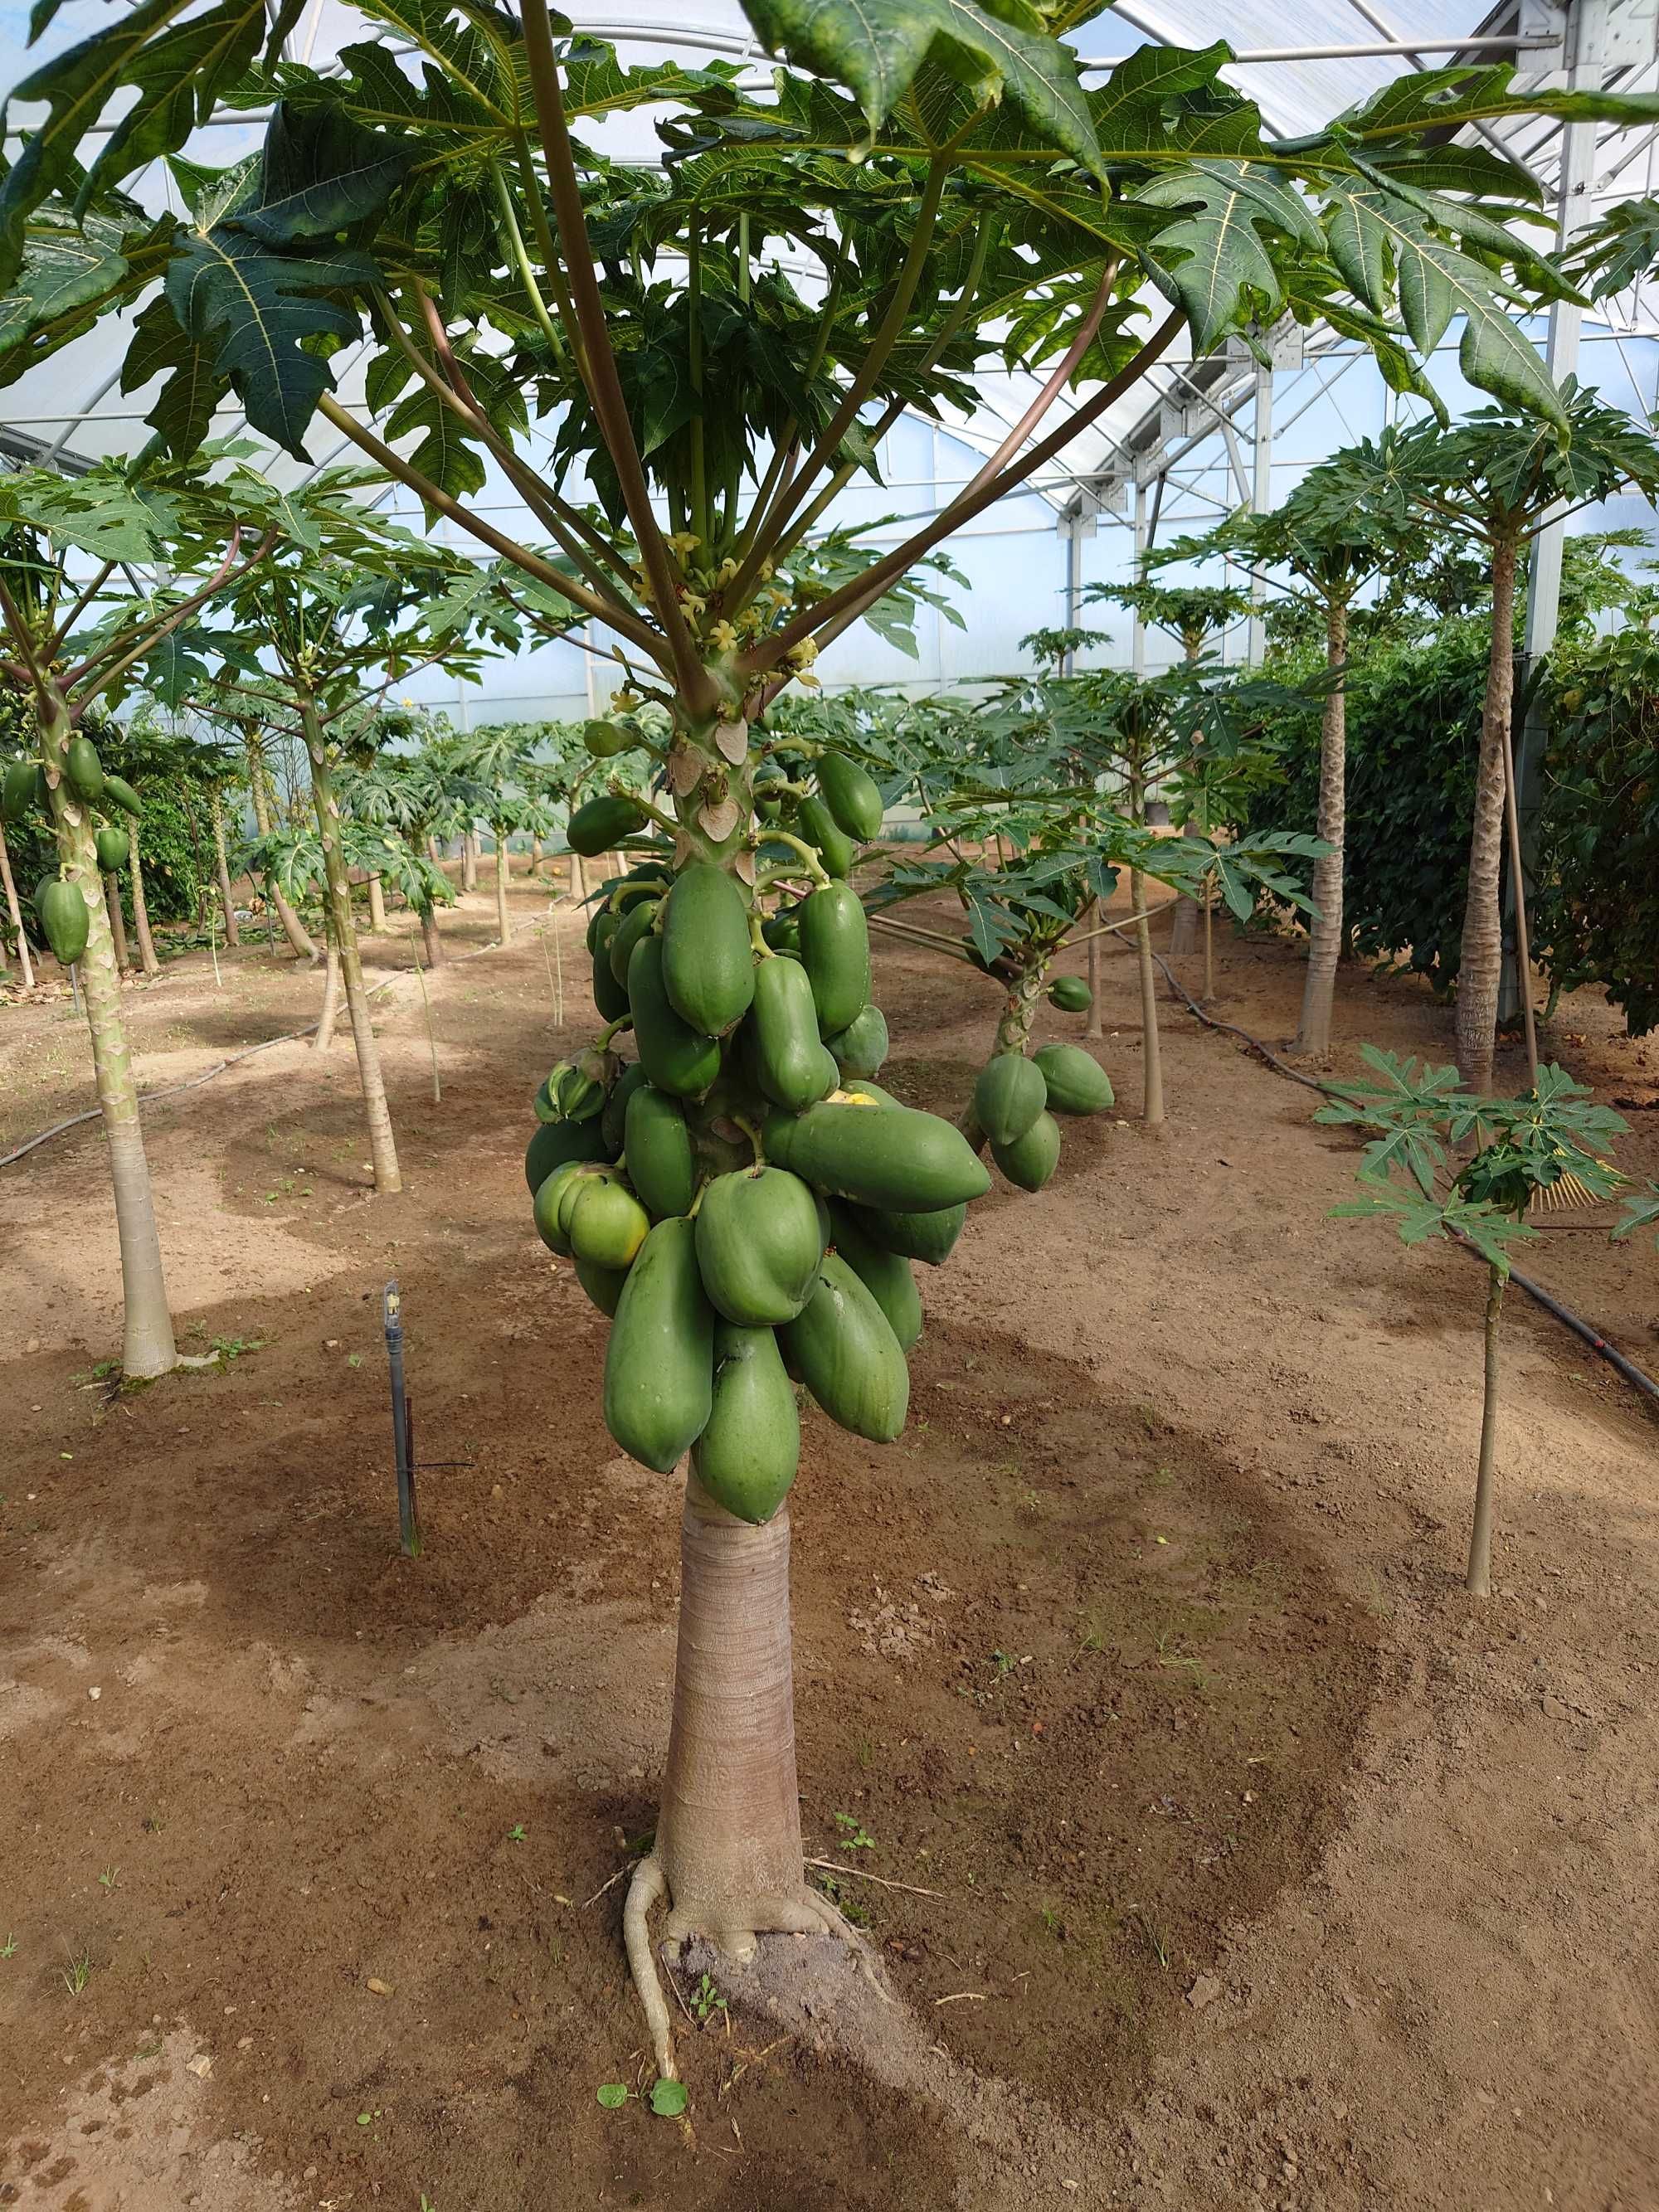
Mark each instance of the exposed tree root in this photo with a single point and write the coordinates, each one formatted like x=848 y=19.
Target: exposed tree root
x=734 y=1930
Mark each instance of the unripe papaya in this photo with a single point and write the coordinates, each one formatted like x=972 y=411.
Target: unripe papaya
x=928 y=1236
x=113 y=846
x=549 y=1194
x=606 y=739
x=759 y=1243
x=604 y=1285
x=851 y=797
x=675 y=1056
x=746 y=1457
x=1074 y=1080
x=84 y=768
x=64 y=918
x=615 y=1117
x=609 y=996
x=118 y=788
x=835 y=950
x=707 y=962
x=557 y=1142
x=1008 y=1096
x=1033 y=1159
x=657 y=1145
x=782 y=932
x=659 y=1365
x=819 y=827
x=18 y=789
x=1071 y=994
x=842 y=1348
x=602 y=824
x=861 y=1048
x=632 y=925
x=606 y=1224
x=879 y=1156
x=783 y=1030
x=886 y=1275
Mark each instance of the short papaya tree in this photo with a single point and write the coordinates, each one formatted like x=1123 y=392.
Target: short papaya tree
x=1422 y=1117
x=964 y=198
x=71 y=648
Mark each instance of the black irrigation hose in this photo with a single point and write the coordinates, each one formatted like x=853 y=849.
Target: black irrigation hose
x=1582 y=1330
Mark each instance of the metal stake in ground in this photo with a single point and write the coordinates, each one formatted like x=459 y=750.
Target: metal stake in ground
x=408 y=1526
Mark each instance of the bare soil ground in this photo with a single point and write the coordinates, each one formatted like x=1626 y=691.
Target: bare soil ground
x=1244 y=1860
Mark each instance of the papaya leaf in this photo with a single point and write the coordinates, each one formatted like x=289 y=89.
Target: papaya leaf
x=1227 y=271
x=66 y=265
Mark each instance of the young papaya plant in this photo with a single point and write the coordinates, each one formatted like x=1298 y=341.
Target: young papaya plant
x=70 y=647
x=961 y=197
x=1409 y=1175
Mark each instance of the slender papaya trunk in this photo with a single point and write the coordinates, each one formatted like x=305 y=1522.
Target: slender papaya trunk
x=329 y=1016
x=376 y=907
x=294 y=929
x=1152 y=1059
x=148 y=1347
x=469 y=862
x=1478 y=1579
x=1481 y=967
x=430 y=937
x=1091 y=1027
x=221 y=872
x=1313 y=1033
x=503 y=918
x=147 y=958
x=24 y=960
x=1183 y=930
x=118 y=927
x=343 y=937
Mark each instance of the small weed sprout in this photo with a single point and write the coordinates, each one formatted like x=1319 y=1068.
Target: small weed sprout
x=852 y=1836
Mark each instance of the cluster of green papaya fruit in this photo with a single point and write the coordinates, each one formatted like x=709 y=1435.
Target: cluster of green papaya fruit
x=61 y=908
x=1017 y=1099
x=741 y=1197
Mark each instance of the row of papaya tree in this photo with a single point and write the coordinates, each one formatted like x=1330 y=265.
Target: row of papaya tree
x=963 y=200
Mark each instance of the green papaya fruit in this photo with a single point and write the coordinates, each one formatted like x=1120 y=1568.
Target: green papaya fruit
x=842 y=1347
x=658 y=1143
x=609 y=996
x=1008 y=1096
x=588 y=1173
x=1074 y=1080
x=602 y=824
x=930 y=1238
x=551 y=1192
x=604 y=1285
x=615 y=1117
x=675 y=1056
x=819 y=827
x=113 y=847
x=545 y=1105
x=606 y=1224
x=557 y=1142
x=659 y=1365
x=1071 y=994
x=880 y=1155
x=746 y=1457
x=64 y=919
x=122 y=793
x=782 y=1028
x=782 y=932
x=1033 y=1157
x=631 y=927
x=605 y=740
x=758 y=1245
x=707 y=962
x=17 y=791
x=83 y=768
x=835 y=950
x=852 y=797
x=886 y=1275
x=767 y=804
x=861 y=1048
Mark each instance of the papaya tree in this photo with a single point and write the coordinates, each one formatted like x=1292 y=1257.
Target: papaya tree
x=962 y=198
x=1343 y=527
x=72 y=649
x=416 y=798
x=1493 y=481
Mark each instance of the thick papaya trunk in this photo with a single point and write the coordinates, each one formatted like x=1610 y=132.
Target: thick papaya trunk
x=147 y=959
x=221 y=873
x=294 y=929
x=147 y=1348
x=1481 y=965
x=343 y=937
x=376 y=907
x=118 y=927
x=24 y=960
x=1313 y=1033
x=503 y=918
x=728 y=1835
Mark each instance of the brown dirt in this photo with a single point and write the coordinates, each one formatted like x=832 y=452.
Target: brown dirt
x=1270 y=1870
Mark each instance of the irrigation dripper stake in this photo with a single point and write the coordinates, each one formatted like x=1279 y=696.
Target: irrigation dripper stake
x=409 y=1526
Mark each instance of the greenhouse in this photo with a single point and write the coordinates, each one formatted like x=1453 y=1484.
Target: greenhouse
x=829 y=1180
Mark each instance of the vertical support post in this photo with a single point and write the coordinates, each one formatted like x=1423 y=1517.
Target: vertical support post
x=409 y=1526
x=1586 y=34
x=1143 y=539
x=1261 y=499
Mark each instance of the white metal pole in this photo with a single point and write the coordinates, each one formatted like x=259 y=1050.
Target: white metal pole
x=1261 y=499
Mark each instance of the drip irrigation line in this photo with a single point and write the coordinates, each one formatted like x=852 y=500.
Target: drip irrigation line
x=1582 y=1330
x=173 y=1090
